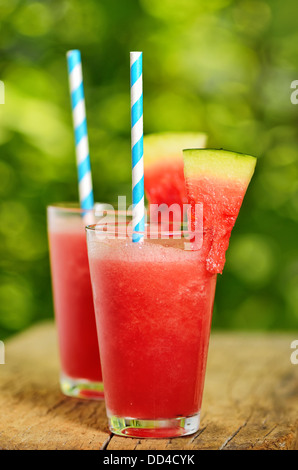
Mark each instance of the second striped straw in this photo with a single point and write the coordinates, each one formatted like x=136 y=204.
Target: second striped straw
x=80 y=129
x=136 y=95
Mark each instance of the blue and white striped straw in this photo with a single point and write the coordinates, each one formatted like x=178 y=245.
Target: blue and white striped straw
x=80 y=129
x=136 y=96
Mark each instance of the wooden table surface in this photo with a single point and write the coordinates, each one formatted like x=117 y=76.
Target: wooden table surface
x=250 y=399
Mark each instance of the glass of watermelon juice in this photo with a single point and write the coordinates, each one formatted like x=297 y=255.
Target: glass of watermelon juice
x=74 y=311
x=153 y=306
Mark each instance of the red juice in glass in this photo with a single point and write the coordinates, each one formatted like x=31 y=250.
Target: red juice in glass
x=153 y=304
x=73 y=303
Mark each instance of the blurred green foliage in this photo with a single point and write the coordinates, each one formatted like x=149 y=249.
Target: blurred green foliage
x=219 y=66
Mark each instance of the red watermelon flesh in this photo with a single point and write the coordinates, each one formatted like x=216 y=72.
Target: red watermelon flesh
x=163 y=166
x=218 y=180
x=164 y=182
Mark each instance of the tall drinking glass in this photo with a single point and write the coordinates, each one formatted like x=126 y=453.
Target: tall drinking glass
x=73 y=303
x=153 y=305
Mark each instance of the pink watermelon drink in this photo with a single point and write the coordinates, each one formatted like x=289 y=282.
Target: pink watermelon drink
x=217 y=179
x=74 y=311
x=153 y=305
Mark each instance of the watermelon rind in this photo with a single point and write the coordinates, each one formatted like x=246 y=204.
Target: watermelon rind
x=165 y=145
x=219 y=163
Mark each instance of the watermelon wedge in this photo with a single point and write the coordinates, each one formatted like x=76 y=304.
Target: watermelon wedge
x=217 y=179
x=163 y=164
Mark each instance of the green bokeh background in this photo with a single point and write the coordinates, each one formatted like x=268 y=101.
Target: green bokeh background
x=220 y=66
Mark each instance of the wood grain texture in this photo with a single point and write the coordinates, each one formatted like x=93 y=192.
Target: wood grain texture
x=250 y=399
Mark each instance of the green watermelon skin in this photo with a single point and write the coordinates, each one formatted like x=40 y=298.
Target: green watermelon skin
x=218 y=180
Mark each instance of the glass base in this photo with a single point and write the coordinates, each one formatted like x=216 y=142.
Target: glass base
x=81 y=388
x=158 y=428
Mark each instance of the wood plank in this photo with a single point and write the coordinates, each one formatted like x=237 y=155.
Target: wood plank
x=250 y=399
x=34 y=413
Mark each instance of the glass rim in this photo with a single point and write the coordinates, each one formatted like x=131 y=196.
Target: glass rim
x=68 y=207
x=74 y=207
x=160 y=232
